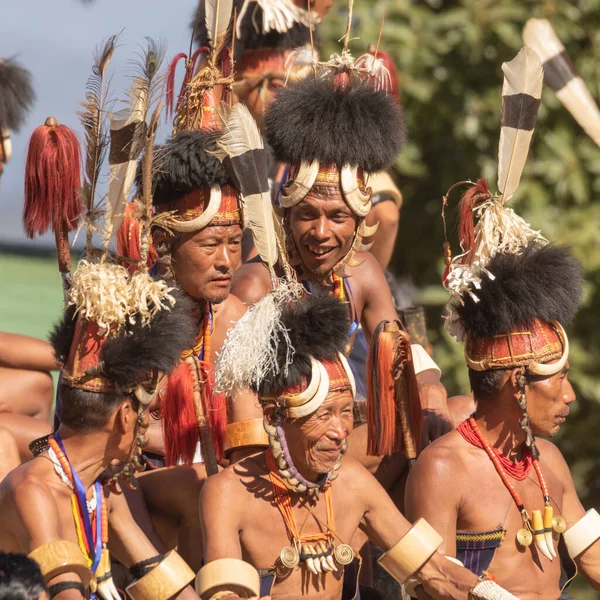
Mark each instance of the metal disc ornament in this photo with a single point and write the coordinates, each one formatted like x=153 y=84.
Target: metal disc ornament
x=559 y=524
x=344 y=554
x=524 y=537
x=289 y=557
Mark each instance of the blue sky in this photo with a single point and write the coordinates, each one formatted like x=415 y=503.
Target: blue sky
x=55 y=40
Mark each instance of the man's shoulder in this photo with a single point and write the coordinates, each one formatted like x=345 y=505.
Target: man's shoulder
x=447 y=451
x=367 y=267
x=550 y=454
x=23 y=487
x=236 y=477
x=251 y=282
x=231 y=309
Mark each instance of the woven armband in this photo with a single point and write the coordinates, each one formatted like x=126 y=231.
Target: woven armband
x=165 y=580
x=245 y=434
x=227 y=575
x=62 y=556
x=412 y=551
x=57 y=588
x=580 y=536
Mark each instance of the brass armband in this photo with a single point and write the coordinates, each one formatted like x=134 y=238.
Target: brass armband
x=581 y=535
x=412 y=551
x=62 y=556
x=245 y=434
x=230 y=575
x=165 y=580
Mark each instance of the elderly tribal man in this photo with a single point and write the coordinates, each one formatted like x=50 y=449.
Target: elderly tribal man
x=313 y=497
x=509 y=507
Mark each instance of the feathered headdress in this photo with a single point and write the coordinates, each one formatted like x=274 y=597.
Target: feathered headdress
x=511 y=292
x=335 y=128
x=16 y=94
x=562 y=76
x=499 y=229
x=109 y=310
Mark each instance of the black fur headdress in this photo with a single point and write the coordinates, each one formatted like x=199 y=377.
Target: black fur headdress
x=542 y=282
x=317 y=325
x=355 y=125
x=183 y=165
x=16 y=94
x=130 y=356
x=251 y=36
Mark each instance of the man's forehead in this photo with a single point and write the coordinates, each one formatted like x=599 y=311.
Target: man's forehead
x=218 y=232
x=338 y=399
x=323 y=201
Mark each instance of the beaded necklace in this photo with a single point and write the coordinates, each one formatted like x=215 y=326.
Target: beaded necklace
x=316 y=550
x=535 y=528
x=202 y=347
x=92 y=529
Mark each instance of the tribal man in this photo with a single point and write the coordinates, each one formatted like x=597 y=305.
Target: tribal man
x=313 y=498
x=326 y=199
x=121 y=331
x=509 y=507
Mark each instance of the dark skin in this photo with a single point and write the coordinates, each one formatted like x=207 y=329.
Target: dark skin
x=236 y=503
x=476 y=500
x=322 y=228
x=203 y=264
x=35 y=505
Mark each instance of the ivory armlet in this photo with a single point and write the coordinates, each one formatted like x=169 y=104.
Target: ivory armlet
x=227 y=574
x=412 y=551
x=165 y=580
x=245 y=434
x=62 y=556
x=581 y=535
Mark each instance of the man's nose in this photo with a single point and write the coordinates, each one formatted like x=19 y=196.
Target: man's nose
x=224 y=259
x=569 y=394
x=321 y=229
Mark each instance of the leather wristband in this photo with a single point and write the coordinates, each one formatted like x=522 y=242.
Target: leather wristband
x=165 y=580
x=62 y=556
x=581 y=535
x=245 y=434
x=412 y=551
x=227 y=575
x=57 y=588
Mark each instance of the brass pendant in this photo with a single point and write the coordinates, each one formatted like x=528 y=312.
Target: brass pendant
x=524 y=537
x=289 y=557
x=559 y=524
x=344 y=554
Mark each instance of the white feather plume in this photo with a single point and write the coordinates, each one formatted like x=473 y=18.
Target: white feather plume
x=218 y=15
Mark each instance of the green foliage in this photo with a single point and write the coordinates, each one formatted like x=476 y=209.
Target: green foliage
x=449 y=56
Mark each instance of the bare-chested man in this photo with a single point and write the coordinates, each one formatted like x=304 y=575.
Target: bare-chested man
x=509 y=506
x=55 y=506
x=326 y=200
x=312 y=499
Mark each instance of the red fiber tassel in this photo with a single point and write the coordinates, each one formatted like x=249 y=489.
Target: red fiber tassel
x=52 y=180
x=466 y=227
x=394 y=414
x=128 y=238
x=171 y=82
x=215 y=407
x=179 y=421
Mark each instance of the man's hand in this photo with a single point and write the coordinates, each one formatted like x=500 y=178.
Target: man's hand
x=444 y=580
x=434 y=402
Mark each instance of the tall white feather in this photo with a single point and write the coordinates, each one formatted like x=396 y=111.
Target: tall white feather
x=242 y=138
x=218 y=15
x=522 y=76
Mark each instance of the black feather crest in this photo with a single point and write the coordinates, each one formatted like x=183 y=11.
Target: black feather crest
x=62 y=333
x=317 y=326
x=356 y=125
x=183 y=165
x=542 y=282
x=137 y=350
x=16 y=94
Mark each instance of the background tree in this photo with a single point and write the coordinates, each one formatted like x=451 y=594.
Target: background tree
x=449 y=56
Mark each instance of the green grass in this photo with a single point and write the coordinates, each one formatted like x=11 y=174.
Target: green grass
x=31 y=294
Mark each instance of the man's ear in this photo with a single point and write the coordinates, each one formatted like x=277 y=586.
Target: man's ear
x=125 y=417
x=514 y=381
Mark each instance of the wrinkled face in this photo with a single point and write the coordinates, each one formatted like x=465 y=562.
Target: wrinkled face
x=204 y=262
x=315 y=442
x=322 y=228
x=548 y=401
